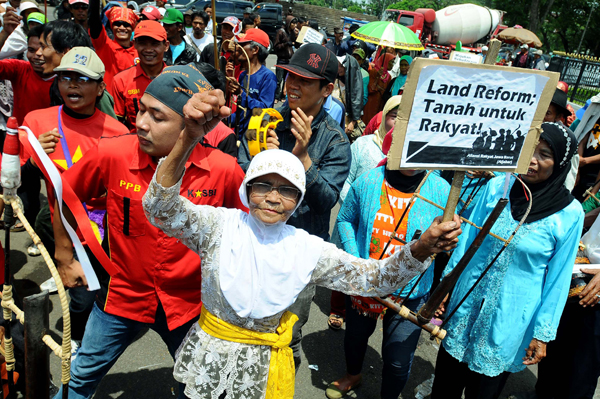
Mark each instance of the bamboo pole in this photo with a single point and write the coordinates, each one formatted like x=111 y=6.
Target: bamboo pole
x=214 y=21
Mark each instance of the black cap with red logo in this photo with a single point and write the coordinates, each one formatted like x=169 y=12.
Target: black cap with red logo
x=313 y=61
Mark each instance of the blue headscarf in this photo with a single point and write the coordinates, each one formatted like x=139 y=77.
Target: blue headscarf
x=401 y=79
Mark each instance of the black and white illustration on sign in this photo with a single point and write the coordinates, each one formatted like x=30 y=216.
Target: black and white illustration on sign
x=466 y=117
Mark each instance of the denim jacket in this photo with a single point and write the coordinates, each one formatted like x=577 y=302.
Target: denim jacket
x=329 y=150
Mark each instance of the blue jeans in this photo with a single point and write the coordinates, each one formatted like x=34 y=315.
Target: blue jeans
x=81 y=303
x=400 y=339
x=106 y=338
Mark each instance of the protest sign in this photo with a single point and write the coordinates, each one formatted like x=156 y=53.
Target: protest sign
x=309 y=35
x=458 y=116
x=471 y=58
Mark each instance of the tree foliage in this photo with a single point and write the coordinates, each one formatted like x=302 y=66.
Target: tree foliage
x=558 y=24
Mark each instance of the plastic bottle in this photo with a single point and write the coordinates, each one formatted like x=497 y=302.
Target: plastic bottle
x=424 y=389
x=11 y=167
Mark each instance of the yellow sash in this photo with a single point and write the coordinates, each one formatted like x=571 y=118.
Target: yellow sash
x=280 y=383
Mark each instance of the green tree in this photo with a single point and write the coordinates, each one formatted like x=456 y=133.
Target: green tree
x=558 y=24
x=355 y=8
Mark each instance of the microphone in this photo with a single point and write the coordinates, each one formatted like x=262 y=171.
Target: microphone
x=10 y=175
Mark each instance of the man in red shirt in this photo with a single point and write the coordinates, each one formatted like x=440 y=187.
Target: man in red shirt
x=118 y=54
x=158 y=281
x=150 y=41
x=67 y=133
x=31 y=86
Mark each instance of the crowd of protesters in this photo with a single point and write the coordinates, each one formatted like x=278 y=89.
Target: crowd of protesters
x=219 y=249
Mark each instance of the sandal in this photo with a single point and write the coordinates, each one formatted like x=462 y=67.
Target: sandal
x=333 y=392
x=335 y=321
x=17 y=227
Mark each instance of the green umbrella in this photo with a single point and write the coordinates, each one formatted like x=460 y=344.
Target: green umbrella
x=389 y=34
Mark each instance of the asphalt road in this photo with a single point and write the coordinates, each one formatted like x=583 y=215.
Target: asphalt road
x=145 y=369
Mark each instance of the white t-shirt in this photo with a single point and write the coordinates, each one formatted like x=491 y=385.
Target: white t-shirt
x=201 y=43
x=15 y=45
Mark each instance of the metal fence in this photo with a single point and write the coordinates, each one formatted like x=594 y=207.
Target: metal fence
x=582 y=76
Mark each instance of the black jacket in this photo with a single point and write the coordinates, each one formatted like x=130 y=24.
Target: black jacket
x=285 y=41
x=187 y=55
x=354 y=88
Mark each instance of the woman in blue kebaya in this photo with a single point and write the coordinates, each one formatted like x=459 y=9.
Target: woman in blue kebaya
x=506 y=322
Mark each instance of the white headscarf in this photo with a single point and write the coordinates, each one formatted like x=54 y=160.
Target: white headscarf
x=264 y=267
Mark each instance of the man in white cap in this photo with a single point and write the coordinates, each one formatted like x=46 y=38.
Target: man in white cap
x=523 y=58
x=13 y=37
x=26 y=8
x=79 y=10
x=539 y=62
x=484 y=51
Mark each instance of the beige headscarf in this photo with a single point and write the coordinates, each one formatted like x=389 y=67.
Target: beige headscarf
x=392 y=103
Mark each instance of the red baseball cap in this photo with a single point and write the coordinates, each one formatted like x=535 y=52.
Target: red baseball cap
x=151 y=29
x=256 y=35
x=152 y=13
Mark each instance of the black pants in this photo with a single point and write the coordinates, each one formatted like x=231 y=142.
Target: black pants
x=452 y=377
x=29 y=192
x=400 y=339
x=281 y=75
x=572 y=366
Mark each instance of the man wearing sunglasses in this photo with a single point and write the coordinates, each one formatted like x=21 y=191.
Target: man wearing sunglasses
x=118 y=54
x=67 y=133
x=79 y=10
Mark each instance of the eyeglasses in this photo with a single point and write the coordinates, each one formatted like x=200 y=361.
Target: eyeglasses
x=264 y=189
x=79 y=6
x=78 y=79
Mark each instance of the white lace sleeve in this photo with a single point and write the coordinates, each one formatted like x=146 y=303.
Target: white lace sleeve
x=178 y=217
x=343 y=272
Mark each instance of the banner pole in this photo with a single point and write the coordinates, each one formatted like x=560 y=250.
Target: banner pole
x=214 y=21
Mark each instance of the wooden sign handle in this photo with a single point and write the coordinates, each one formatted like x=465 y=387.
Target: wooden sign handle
x=493 y=50
x=455 y=189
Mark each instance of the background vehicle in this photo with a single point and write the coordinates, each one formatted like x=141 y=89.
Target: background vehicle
x=179 y=4
x=348 y=22
x=440 y=30
x=271 y=18
x=224 y=9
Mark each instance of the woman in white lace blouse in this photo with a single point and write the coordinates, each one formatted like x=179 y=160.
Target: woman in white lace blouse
x=254 y=265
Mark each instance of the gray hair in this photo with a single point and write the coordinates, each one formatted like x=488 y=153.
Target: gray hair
x=263 y=52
